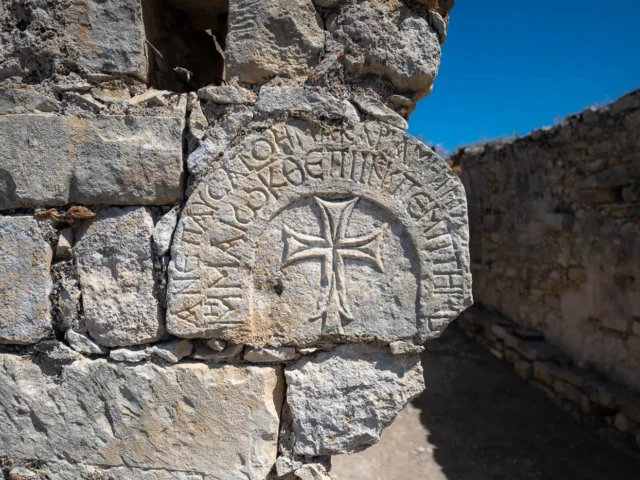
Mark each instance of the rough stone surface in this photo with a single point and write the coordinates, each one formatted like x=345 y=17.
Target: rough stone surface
x=380 y=111
x=389 y=40
x=560 y=251
x=402 y=348
x=204 y=352
x=69 y=308
x=144 y=416
x=278 y=100
x=44 y=38
x=113 y=160
x=173 y=351
x=342 y=399
x=198 y=122
x=216 y=344
x=163 y=232
x=56 y=352
x=218 y=140
x=227 y=95
x=392 y=208
x=130 y=354
x=115 y=267
x=61 y=470
x=65 y=243
x=267 y=354
x=83 y=344
x=275 y=38
x=21 y=473
x=312 y=472
x=25 y=281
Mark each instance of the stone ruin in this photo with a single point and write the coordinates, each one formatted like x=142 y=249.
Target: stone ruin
x=219 y=251
x=554 y=223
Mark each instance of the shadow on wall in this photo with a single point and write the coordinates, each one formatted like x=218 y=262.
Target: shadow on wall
x=484 y=422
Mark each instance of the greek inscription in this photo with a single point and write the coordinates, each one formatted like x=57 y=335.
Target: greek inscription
x=336 y=182
x=419 y=205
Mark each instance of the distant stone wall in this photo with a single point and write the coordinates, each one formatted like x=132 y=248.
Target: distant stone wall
x=555 y=234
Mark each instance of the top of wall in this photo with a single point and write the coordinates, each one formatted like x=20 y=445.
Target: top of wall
x=558 y=134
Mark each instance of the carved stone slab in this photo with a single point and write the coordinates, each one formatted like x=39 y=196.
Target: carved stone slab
x=305 y=233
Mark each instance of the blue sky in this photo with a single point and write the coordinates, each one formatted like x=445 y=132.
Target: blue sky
x=515 y=65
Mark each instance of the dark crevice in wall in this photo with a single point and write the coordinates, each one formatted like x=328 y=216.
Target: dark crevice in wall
x=185 y=40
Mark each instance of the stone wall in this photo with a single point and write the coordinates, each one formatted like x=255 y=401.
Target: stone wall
x=555 y=221
x=219 y=252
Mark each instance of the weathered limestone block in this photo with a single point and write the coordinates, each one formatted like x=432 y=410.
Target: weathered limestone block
x=25 y=281
x=130 y=354
x=278 y=100
x=169 y=418
x=41 y=38
x=380 y=111
x=275 y=38
x=16 y=98
x=219 y=138
x=385 y=39
x=68 y=471
x=115 y=268
x=163 y=232
x=81 y=342
x=65 y=243
x=172 y=351
x=269 y=354
x=115 y=160
x=306 y=233
x=227 y=95
x=342 y=399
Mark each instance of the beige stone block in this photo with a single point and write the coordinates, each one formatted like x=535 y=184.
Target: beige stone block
x=216 y=420
x=274 y=38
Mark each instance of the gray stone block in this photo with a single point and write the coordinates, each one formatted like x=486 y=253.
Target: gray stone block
x=269 y=39
x=355 y=391
x=227 y=95
x=111 y=415
x=379 y=111
x=25 y=281
x=278 y=100
x=87 y=36
x=113 y=160
x=385 y=39
x=115 y=268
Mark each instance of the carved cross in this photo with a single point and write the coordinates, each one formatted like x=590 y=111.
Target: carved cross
x=333 y=246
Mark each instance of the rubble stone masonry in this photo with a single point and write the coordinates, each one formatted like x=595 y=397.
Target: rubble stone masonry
x=555 y=227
